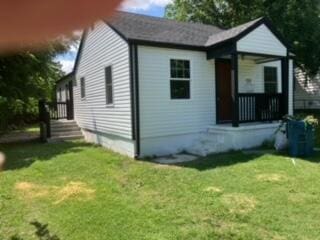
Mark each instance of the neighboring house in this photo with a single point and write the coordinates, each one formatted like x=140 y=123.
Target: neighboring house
x=64 y=88
x=149 y=86
x=306 y=92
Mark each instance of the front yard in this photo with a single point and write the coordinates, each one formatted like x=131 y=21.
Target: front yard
x=86 y=192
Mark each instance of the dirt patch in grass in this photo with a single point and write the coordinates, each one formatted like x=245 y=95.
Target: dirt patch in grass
x=31 y=190
x=71 y=191
x=239 y=203
x=271 y=177
x=74 y=190
x=213 y=189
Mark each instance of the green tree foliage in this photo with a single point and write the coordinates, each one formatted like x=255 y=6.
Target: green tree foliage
x=25 y=77
x=298 y=21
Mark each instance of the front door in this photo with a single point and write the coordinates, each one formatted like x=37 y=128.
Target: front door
x=224 y=98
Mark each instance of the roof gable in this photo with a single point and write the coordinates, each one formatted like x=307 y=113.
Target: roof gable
x=261 y=40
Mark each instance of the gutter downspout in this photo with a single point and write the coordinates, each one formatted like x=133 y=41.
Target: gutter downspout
x=135 y=109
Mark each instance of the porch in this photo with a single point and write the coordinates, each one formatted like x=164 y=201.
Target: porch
x=251 y=87
x=57 y=121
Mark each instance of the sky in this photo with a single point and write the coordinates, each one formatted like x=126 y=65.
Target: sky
x=147 y=7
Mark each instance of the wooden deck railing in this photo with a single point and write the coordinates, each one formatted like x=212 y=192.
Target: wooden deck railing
x=54 y=111
x=255 y=107
x=58 y=110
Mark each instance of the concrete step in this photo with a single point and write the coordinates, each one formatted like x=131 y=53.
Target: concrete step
x=64 y=128
x=62 y=123
x=64 y=138
x=66 y=133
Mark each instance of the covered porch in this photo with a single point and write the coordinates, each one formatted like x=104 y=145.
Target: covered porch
x=251 y=88
x=252 y=71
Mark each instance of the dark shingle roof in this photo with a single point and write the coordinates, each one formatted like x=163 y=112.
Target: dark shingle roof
x=160 y=30
x=230 y=33
x=145 y=28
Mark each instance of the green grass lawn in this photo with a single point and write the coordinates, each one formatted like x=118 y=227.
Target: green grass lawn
x=81 y=191
x=31 y=128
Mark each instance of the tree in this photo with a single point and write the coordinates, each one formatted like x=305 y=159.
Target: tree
x=298 y=21
x=26 y=77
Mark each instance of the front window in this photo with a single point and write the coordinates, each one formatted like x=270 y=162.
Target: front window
x=180 y=79
x=270 y=80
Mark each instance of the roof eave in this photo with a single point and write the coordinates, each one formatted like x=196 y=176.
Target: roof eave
x=65 y=77
x=167 y=45
x=76 y=63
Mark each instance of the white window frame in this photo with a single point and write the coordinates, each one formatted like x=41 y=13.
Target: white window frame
x=105 y=86
x=180 y=79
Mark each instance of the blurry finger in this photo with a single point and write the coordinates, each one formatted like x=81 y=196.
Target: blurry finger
x=2 y=161
x=26 y=22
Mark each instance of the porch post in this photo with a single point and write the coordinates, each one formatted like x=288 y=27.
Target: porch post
x=234 y=94
x=285 y=85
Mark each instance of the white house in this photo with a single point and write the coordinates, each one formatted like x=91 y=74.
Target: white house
x=307 y=91
x=149 y=86
x=64 y=88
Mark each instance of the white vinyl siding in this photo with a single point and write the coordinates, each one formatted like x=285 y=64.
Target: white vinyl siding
x=261 y=40
x=102 y=48
x=248 y=69
x=82 y=87
x=290 y=87
x=159 y=114
x=307 y=91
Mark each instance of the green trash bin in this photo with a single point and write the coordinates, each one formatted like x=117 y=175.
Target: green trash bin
x=301 y=138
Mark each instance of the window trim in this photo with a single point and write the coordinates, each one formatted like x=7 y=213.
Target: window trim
x=105 y=86
x=269 y=82
x=180 y=79
x=84 y=81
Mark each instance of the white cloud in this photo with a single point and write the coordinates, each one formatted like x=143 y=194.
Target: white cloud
x=67 y=59
x=134 y=5
x=74 y=48
x=67 y=65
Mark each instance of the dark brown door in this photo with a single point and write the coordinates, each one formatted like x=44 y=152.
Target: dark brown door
x=224 y=98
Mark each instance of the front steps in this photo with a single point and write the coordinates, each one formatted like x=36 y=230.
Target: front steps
x=63 y=130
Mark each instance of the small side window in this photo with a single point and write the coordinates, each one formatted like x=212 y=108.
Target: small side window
x=109 y=89
x=82 y=87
